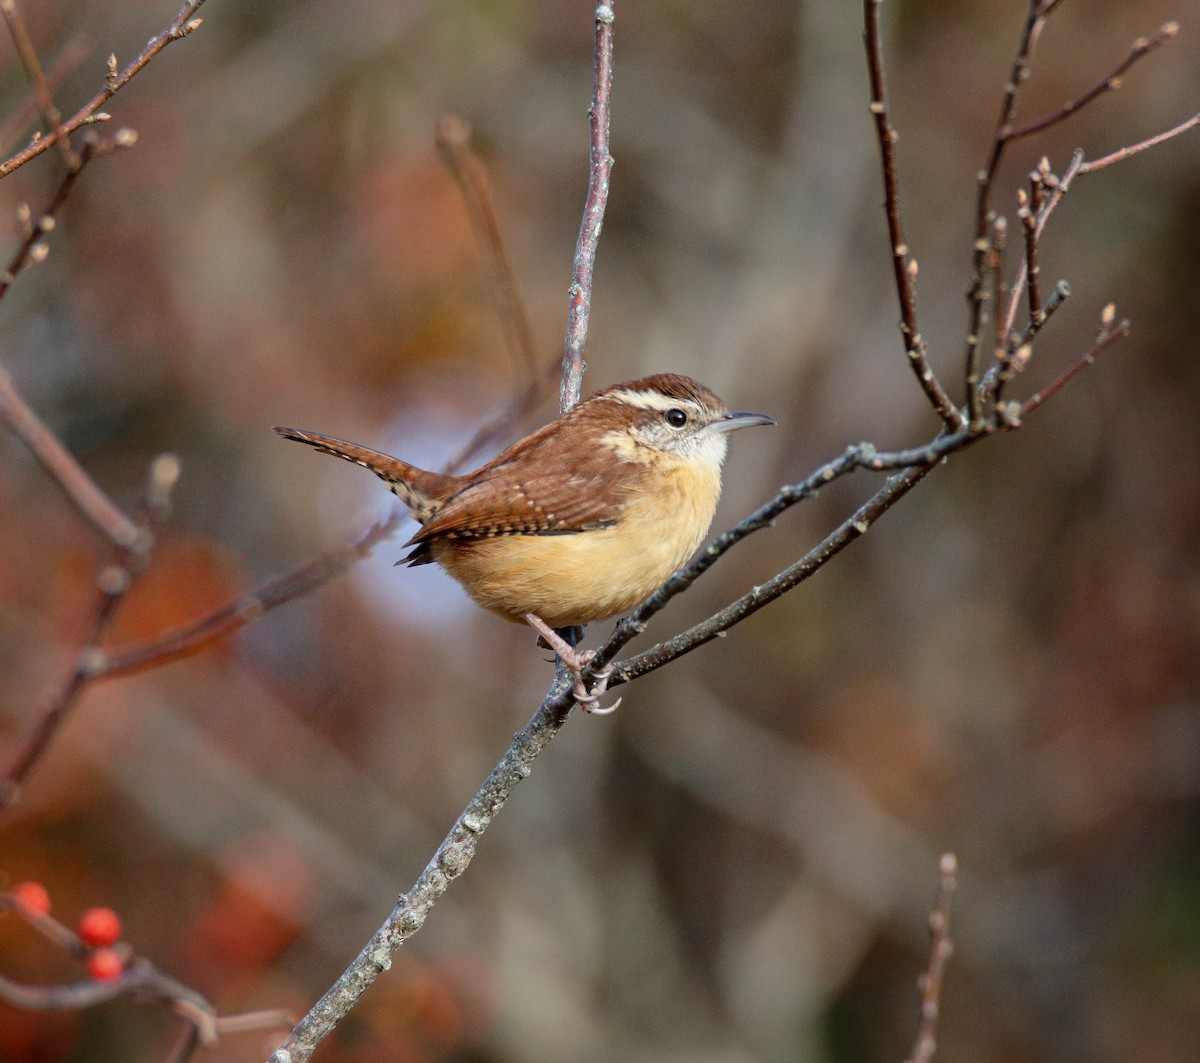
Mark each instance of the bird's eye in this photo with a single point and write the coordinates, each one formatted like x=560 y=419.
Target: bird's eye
x=676 y=418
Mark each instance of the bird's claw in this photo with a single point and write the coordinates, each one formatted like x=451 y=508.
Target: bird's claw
x=575 y=662
x=589 y=700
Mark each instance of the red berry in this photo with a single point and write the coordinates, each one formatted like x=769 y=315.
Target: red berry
x=99 y=927
x=33 y=896
x=105 y=965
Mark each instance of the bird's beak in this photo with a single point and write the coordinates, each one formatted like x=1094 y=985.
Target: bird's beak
x=734 y=421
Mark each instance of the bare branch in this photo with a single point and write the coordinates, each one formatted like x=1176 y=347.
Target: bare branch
x=113 y=582
x=229 y=618
x=1109 y=333
x=1092 y=165
x=33 y=71
x=580 y=292
x=940 y=949
x=453 y=141
x=1057 y=188
x=1111 y=81
x=145 y=982
x=81 y=490
x=448 y=862
x=502 y=424
x=453 y=138
x=993 y=268
x=1035 y=20
x=36 y=232
x=68 y=60
x=1013 y=358
x=33 y=247
x=180 y=26
x=716 y=625
x=1032 y=270
x=914 y=345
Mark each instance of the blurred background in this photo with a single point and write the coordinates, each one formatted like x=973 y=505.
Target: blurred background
x=738 y=865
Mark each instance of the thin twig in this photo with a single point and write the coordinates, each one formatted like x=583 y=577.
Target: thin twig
x=914 y=345
x=997 y=267
x=94 y=663
x=1032 y=269
x=145 y=982
x=500 y=426
x=1013 y=358
x=854 y=527
x=940 y=950
x=33 y=247
x=1092 y=165
x=222 y=622
x=68 y=60
x=453 y=141
x=993 y=268
x=113 y=582
x=580 y=293
x=858 y=456
x=139 y=979
x=1111 y=81
x=81 y=490
x=453 y=138
x=180 y=26
x=1058 y=188
x=1035 y=20
x=914 y=462
x=33 y=71
x=1109 y=333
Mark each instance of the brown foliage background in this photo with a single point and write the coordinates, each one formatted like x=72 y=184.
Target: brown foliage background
x=738 y=864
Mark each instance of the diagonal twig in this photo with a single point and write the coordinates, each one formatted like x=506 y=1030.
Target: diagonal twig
x=179 y=27
x=81 y=490
x=1092 y=165
x=448 y=863
x=68 y=60
x=1058 y=188
x=222 y=622
x=1110 y=331
x=1111 y=81
x=113 y=582
x=33 y=71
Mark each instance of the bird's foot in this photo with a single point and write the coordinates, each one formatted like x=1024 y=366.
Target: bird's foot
x=575 y=662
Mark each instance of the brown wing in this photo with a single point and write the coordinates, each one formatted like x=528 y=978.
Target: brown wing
x=549 y=483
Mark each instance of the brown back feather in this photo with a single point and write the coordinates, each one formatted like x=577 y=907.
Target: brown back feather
x=549 y=483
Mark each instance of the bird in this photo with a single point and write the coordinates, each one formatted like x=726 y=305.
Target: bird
x=579 y=521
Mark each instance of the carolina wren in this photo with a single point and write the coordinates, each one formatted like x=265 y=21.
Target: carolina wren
x=579 y=521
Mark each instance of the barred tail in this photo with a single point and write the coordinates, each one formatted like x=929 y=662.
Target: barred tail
x=421 y=491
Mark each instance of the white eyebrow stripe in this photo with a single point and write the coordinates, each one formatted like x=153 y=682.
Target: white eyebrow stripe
x=650 y=400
